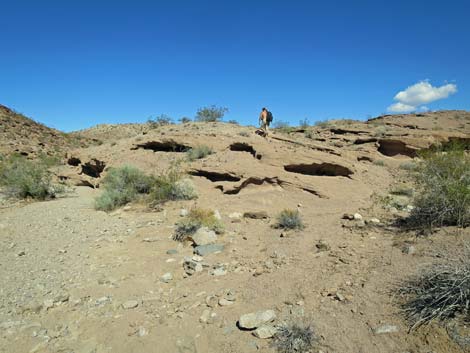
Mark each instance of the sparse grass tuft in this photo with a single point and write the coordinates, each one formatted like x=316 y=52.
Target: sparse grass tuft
x=409 y=166
x=323 y=123
x=198 y=152
x=443 y=190
x=294 y=337
x=379 y=162
x=244 y=133
x=22 y=178
x=440 y=292
x=290 y=219
x=196 y=219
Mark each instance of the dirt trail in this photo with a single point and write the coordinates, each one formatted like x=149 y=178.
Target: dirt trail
x=68 y=296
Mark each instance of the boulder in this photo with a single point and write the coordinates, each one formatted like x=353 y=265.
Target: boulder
x=253 y=320
x=204 y=236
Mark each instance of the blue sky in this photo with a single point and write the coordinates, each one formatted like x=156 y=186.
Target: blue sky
x=72 y=65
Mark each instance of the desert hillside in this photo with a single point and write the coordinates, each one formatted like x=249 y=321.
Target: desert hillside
x=77 y=279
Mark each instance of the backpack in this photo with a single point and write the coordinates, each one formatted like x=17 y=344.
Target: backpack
x=269 y=117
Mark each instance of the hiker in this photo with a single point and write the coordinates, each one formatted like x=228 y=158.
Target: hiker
x=265 y=119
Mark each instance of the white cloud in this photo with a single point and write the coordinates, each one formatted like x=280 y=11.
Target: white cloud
x=418 y=94
x=400 y=108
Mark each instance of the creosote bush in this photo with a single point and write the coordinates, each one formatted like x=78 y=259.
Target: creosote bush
x=443 y=189
x=289 y=219
x=197 y=218
x=440 y=292
x=126 y=184
x=211 y=113
x=198 y=152
x=295 y=337
x=160 y=120
x=172 y=186
x=22 y=178
x=123 y=185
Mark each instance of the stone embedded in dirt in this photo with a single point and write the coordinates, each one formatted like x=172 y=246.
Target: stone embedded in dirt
x=204 y=236
x=172 y=252
x=211 y=301
x=184 y=212
x=408 y=249
x=235 y=216
x=190 y=266
x=217 y=215
x=204 y=318
x=385 y=329
x=225 y=302
x=48 y=303
x=348 y=216
x=374 y=221
x=322 y=245
x=219 y=271
x=130 y=304
x=167 y=277
x=357 y=216
x=265 y=331
x=253 y=320
x=21 y=253
x=204 y=250
x=256 y=215
x=340 y=297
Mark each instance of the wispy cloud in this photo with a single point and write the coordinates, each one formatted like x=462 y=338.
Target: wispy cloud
x=418 y=94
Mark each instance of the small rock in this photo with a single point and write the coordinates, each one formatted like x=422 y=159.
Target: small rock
x=197 y=258
x=408 y=249
x=61 y=298
x=360 y=223
x=322 y=245
x=207 y=249
x=150 y=240
x=217 y=215
x=172 y=252
x=204 y=318
x=374 y=221
x=254 y=320
x=256 y=215
x=167 y=277
x=348 y=216
x=219 y=271
x=21 y=253
x=184 y=212
x=211 y=301
x=265 y=331
x=190 y=266
x=339 y=297
x=142 y=332
x=225 y=302
x=48 y=303
x=235 y=217
x=385 y=329
x=204 y=236
x=130 y=304
x=357 y=216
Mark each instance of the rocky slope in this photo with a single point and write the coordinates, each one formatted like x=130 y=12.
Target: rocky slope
x=81 y=280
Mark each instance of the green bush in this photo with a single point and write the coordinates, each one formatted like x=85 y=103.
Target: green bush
x=121 y=186
x=290 y=219
x=443 y=189
x=211 y=113
x=160 y=120
x=198 y=152
x=196 y=219
x=172 y=186
x=22 y=178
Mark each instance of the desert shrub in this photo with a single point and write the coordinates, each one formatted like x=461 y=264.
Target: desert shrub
x=198 y=152
x=295 y=337
x=244 y=133
x=304 y=123
x=402 y=191
x=22 y=178
x=323 y=123
x=121 y=186
x=280 y=124
x=440 y=292
x=171 y=186
x=160 y=120
x=379 y=162
x=185 y=120
x=211 y=113
x=381 y=131
x=310 y=134
x=196 y=219
x=409 y=166
x=289 y=219
x=234 y=122
x=443 y=190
